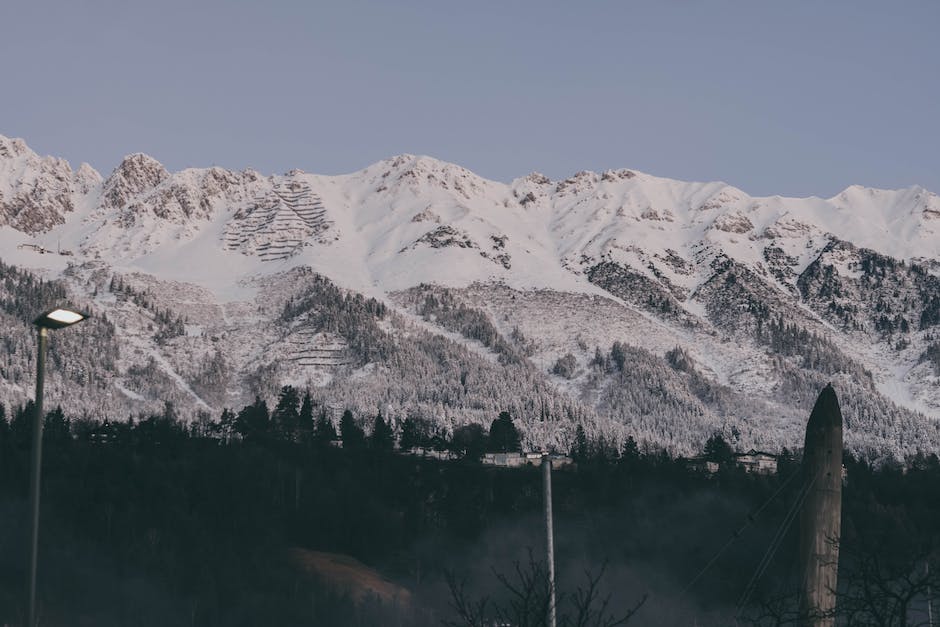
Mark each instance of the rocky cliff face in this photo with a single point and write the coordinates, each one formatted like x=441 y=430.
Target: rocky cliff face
x=38 y=193
x=136 y=175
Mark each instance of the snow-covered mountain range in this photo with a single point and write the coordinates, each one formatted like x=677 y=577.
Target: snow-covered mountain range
x=417 y=286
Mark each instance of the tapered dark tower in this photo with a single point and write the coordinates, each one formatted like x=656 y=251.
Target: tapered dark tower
x=821 y=515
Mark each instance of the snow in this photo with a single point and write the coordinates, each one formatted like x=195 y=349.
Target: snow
x=372 y=243
x=128 y=393
x=380 y=231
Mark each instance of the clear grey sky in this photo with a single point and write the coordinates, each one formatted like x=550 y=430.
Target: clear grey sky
x=787 y=97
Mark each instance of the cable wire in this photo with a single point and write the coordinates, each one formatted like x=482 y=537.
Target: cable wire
x=774 y=545
x=737 y=534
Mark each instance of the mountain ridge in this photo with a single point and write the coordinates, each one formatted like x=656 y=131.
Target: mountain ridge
x=734 y=280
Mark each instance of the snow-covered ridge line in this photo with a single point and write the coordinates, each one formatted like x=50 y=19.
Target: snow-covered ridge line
x=676 y=263
x=139 y=173
x=393 y=216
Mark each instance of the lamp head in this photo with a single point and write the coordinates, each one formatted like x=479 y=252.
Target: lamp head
x=59 y=317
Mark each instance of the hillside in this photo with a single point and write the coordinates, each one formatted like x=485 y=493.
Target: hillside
x=626 y=302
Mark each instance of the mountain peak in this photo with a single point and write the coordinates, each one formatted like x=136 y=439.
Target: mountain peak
x=537 y=178
x=136 y=174
x=407 y=163
x=421 y=173
x=11 y=147
x=35 y=192
x=85 y=171
x=139 y=162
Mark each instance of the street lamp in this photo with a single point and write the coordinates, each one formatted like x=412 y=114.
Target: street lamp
x=53 y=319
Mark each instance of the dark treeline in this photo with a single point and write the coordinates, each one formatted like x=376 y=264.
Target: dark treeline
x=158 y=522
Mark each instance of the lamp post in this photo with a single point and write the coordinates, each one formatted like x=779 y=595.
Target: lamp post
x=52 y=319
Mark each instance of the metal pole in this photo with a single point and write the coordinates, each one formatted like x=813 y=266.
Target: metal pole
x=929 y=601
x=34 y=475
x=549 y=535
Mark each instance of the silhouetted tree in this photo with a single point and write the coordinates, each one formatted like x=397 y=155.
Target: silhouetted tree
x=286 y=417
x=225 y=427
x=579 y=452
x=57 y=428
x=324 y=432
x=305 y=418
x=382 y=438
x=21 y=425
x=526 y=601
x=470 y=441
x=414 y=432
x=352 y=434
x=503 y=435
x=717 y=449
x=4 y=426
x=254 y=421
x=631 y=452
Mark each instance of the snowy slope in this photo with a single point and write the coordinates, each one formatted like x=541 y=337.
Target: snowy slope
x=392 y=218
x=697 y=265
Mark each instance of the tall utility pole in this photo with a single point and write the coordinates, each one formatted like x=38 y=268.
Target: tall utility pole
x=549 y=536
x=821 y=514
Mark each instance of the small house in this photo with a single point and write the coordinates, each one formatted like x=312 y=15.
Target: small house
x=700 y=464
x=758 y=462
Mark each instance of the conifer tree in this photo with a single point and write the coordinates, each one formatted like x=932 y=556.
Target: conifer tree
x=382 y=438
x=253 y=421
x=226 y=425
x=21 y=425
x=56 y=427
x=618 y=355
x=631 y=452
x=411 y=434
x=504 y=437
x=351 y=433
x=305 y=418
x=580 y=450
x=4 y=427
x=324 y=432
x=717 y=449
x=470 y=441
x=286 y=416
